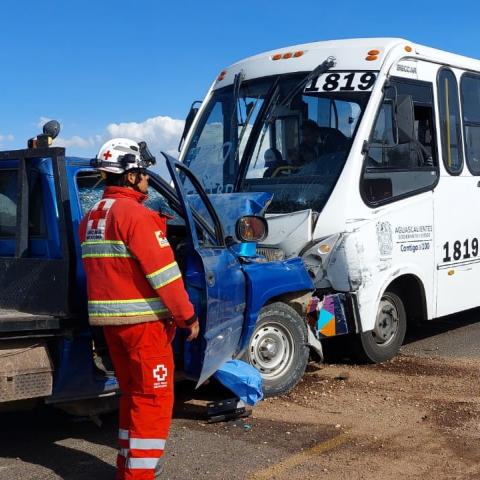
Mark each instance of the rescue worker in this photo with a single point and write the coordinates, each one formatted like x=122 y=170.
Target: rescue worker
x=136 y=292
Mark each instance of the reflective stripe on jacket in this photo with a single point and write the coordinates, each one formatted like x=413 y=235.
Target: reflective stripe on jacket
x=132 y=276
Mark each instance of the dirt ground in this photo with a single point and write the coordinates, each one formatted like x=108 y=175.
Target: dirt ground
x=409 y=418
x=413 y=417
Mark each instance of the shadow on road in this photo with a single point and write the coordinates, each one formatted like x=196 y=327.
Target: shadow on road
x=62 y=443
x=441 y=325
x=36 y=437
x=342 y=349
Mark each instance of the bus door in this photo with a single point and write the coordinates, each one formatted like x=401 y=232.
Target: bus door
x=401 y=170
x=457 y=222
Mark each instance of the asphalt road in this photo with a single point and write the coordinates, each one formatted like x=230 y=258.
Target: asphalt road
x=48 y=444
x=455 y=336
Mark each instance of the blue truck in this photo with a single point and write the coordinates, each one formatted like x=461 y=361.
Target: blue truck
x=48 y=351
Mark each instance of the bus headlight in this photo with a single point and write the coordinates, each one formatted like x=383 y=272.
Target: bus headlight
x=326 y=245
x=318 y=256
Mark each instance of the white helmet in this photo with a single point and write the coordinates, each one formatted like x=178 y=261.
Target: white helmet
x=121 y=154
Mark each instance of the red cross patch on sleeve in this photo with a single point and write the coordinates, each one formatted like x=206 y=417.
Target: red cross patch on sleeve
x=161 y=239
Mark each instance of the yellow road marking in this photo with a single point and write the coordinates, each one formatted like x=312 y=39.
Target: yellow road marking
x=299 y=458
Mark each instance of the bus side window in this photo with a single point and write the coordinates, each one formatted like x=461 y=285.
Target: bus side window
x=470 y=94
x=401 y=163
x=450 y=124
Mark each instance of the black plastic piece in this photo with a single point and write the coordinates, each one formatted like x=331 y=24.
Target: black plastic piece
x=228 y=409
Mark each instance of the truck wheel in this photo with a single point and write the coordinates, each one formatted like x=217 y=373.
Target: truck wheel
x=278 y=348
x=384 y=341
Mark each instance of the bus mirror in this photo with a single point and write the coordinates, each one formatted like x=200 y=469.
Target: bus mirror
x=404 y=119
x=390 y=92
x=188 y=122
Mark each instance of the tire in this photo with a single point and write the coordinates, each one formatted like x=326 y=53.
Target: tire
x=278 y=348
x=384 y=341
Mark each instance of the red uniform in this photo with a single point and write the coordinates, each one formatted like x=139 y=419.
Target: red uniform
x=134 y=290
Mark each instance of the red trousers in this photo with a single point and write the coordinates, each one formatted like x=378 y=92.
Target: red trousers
x=143 y=361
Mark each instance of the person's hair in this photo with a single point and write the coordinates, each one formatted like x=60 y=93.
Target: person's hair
x=115 y=179
x=310 y=125
x=120 y=179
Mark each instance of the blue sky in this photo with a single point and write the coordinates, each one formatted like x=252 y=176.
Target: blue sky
x=97 y=65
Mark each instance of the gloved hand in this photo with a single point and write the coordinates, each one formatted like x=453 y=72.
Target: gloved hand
x=194 y=331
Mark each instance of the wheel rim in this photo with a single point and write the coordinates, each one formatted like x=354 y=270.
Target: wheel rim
x=387 y=322
x=271 y=350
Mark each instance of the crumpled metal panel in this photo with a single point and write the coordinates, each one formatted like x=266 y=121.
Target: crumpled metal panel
x=290 y=232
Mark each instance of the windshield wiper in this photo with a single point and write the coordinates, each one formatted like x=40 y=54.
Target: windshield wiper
x=326 y=65
x=234 y=142
x=271 y=99
x=237 y=83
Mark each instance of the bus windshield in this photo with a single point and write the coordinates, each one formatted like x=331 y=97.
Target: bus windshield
x=253 y=140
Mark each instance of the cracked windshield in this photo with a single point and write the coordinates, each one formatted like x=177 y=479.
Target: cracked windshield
x=254 y=136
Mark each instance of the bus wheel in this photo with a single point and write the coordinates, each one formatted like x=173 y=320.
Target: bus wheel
x=278 y=348
x=384 y=341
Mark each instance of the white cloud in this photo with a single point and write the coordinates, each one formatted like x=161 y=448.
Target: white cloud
x=77 y=142
x=6 y=138
x=160 y=133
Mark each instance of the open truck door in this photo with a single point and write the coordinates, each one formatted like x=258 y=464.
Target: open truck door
x=213 y=277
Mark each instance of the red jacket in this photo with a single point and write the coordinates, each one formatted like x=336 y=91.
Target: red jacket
x=132 y=276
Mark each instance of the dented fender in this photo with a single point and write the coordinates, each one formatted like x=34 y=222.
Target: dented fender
x=269 y=280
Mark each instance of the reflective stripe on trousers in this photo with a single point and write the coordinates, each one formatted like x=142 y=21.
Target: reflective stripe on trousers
x=142 y=463
x=145 y=444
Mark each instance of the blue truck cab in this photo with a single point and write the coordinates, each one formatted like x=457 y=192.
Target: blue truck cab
x=248 y=307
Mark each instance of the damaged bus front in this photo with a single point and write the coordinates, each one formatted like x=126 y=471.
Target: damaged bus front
x=342 y=134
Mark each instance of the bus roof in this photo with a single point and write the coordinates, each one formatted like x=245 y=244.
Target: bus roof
x=350 y=54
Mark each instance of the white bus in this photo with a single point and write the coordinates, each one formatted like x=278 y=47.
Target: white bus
x=375 y=202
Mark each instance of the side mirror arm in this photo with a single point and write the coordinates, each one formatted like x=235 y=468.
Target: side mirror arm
x=365 y=147
x=188 y=122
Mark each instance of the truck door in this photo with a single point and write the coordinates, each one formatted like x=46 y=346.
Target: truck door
x=34 y=251
x=213 y=277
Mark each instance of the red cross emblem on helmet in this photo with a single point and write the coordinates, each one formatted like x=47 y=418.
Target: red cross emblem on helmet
x=107 y=155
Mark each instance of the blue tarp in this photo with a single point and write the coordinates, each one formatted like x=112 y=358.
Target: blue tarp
x=242 y=379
